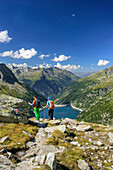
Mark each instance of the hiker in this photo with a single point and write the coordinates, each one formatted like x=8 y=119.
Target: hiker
x=51 y=107
x=36 y=105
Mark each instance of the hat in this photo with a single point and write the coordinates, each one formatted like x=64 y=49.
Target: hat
x=49 y=98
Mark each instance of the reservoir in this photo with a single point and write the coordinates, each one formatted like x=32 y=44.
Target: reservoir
x=61 y=112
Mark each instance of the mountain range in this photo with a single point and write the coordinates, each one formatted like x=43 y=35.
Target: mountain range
x=93 y=94
x=9 y=85
x=48 y=82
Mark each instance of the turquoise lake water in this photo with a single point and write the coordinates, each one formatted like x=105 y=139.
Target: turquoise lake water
x=61 y=112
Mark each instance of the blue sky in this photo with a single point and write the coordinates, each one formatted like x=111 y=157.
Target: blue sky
x=71 y=34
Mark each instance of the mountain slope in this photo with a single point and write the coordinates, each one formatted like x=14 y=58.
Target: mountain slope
x=48 y=82
x=10 y=85
x=93 y=94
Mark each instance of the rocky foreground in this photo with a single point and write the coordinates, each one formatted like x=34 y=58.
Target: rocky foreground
x=63 y=144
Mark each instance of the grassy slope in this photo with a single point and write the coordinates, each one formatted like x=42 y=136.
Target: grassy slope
x=10 y=85
x=94 y=94
x=17 y=138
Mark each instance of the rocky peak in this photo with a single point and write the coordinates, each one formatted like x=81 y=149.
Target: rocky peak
x=7 y=75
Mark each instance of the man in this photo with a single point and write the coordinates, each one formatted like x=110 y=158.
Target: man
x=51 y=107
x=36 y=105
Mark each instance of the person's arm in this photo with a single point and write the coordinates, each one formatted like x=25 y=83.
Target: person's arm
x=46 y=105
x=31 y=104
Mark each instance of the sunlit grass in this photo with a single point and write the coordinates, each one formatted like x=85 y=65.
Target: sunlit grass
x=17 y=138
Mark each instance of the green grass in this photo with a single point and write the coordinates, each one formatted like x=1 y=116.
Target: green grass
x=16 y=135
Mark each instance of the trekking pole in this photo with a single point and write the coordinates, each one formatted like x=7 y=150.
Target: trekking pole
x=44 y=113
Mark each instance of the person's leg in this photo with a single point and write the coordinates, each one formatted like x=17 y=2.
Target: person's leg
x=49 y=114
x=36 y=110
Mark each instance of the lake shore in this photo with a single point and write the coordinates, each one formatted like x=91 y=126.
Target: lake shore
x=76 y=108
x=61 y=105
x=64 y=105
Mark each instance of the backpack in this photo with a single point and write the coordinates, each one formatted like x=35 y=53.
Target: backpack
x=52 y=106
x=37 y=104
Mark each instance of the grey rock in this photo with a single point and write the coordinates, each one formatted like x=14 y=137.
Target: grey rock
x=31 y=152
x=74 y=143
x=69 y=121
x=110 y=134
x=40 y=159
x=8 y=104
x=83 y=165
x=83 y=128
x=83 y=148
x=29 y=144
x=45 y=149
x=27 y=133
x=5 y=167
x=61 y=128
x=99 y=143
x=6 y=162
x=20 y=153
x=51 y=161
x=3 y=150
x=4 y=139
x=55 y=122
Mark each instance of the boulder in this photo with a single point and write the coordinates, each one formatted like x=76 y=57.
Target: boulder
x=40 y=159
x=20 y=153
x=83 y=128
x=51 y=161
x=13 y=110
x=45 y=149
x=55 y=122
x=29 y=144
x=69 y=121
x=61 y=128
x=83 y=165
x=5 y=163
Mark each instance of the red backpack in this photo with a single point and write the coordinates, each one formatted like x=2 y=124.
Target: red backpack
x=52 y=106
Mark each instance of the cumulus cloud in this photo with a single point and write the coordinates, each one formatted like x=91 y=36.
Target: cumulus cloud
x=20 y=54
x=44 y=65
x=34 y=67
x=102 y=63
x=61 y=58
x=18 y=65
x=7 y=53
x=42 y=56
x=67 y=67
x=4 y=37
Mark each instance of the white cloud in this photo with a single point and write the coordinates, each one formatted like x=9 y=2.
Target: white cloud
x=61 y=58
x=103 y=62
x=44 y=65
x=7 y=53
x=4 y=37
x=42 y=56
x=67 y=67
x=34 y=67
x=21 y=53
x=73 y=15
x=18 y=65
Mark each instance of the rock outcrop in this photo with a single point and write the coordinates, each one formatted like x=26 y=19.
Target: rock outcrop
x=13 y=110
x=71 y=148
